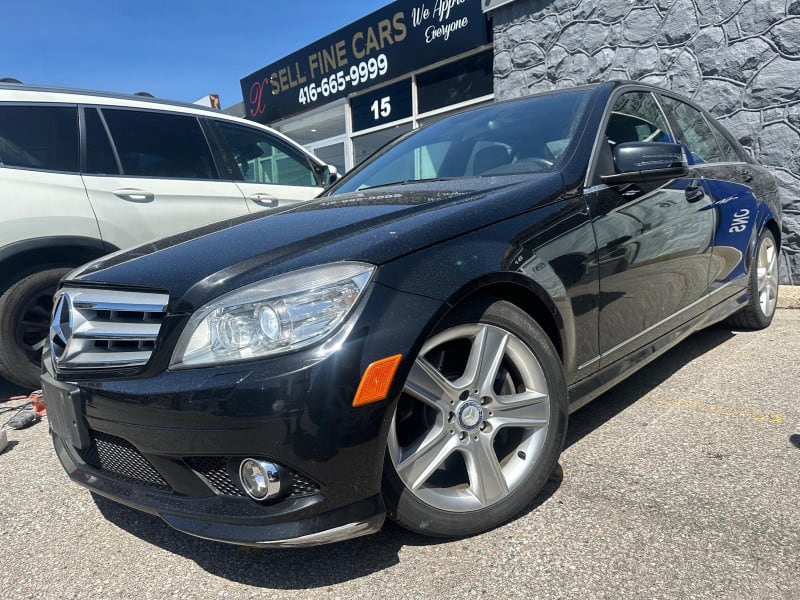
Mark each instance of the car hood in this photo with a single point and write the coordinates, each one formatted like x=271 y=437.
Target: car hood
x=372 y=225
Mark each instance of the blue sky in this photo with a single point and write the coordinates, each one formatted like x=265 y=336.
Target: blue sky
x=173 y=48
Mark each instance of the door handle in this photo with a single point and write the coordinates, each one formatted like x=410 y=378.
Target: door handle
x=264 y=199
x=134 y=195
x=746 y=176
x=694 y=192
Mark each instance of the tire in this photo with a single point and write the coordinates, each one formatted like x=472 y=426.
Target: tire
x=24 y=322
x=462 y=456
x=762 y=287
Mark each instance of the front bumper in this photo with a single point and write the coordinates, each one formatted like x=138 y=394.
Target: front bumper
x=169 y=444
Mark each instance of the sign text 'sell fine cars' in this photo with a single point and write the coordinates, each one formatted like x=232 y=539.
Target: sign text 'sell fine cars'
x=412 y=342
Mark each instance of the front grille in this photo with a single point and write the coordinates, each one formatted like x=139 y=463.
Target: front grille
x=120 y=458
x=216 y=472
x=96 y=329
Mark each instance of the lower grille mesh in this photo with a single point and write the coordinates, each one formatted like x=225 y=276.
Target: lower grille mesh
x=215 y=471
x=120 y=458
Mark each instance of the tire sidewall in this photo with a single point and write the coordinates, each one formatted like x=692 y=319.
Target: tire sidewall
x=14 y=365
x=404 y=507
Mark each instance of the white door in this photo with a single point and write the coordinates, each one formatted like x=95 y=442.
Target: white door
x=273 y=173
x=41 y=192
x=158 y=177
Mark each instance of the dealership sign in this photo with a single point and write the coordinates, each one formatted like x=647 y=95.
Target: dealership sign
x=401 y=37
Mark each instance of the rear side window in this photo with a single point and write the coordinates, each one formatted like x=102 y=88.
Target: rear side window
x=697 y=133
x=262 y=158
x=39 y=137
x=153 y=144
x=729 y=153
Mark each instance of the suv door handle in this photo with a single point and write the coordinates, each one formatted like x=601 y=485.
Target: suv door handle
x=264 y=199
x=134 y=195
x=694 y=192
x=746 y=176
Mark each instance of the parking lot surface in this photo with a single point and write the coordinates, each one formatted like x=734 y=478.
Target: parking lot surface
x=683 y=481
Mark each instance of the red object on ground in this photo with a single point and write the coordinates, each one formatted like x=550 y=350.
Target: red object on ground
x=36 y=398
x=38 y=403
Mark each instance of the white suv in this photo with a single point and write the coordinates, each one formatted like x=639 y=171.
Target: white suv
x=84 y=173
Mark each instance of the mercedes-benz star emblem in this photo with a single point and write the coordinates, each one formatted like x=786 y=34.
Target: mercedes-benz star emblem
x=61 y=327
x=470 y=415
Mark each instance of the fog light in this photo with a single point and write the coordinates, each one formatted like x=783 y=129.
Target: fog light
x=260 y=479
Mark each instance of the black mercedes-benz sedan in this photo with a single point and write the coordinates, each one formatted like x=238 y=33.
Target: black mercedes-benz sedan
x=412 y=342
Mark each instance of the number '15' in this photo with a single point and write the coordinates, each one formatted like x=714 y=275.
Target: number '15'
x=382 y=109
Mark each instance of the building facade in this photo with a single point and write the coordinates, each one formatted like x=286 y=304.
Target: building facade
x=740 y=59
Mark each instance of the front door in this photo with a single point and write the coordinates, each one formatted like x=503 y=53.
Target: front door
x=269 y=172
x=654 y=238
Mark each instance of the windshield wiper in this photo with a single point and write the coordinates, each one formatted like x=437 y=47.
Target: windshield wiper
x=404 y=182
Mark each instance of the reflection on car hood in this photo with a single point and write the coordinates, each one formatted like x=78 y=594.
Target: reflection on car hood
x=372 y=225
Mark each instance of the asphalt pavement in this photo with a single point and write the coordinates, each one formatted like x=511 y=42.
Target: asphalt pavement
x=682 y=482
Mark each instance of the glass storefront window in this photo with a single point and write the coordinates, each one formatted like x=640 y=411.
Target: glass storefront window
x=332 y=154
x=318 y=125
x=364 y=145
x=457 y=82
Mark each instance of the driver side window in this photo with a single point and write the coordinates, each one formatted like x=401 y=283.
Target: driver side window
x=260 y=158
x=636 y=117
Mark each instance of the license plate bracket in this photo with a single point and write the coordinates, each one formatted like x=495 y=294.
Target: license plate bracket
x=65 y=412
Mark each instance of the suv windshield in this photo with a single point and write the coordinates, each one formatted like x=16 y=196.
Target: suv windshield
x=526 y=136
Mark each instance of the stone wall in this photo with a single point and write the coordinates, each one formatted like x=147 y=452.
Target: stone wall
x=740 y=59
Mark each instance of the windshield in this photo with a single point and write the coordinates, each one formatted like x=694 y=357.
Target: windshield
x=526 y=136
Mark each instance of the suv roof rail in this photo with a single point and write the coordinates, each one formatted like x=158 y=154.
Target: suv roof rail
x=9 y=80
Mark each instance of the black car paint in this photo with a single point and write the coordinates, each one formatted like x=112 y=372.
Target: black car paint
x=610 y=302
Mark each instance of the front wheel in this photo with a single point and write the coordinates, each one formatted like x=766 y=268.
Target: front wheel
x=479 y=425
x=24 y=324
x=762 y=287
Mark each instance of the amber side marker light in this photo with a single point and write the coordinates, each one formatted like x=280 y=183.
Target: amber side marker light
x=377 y=380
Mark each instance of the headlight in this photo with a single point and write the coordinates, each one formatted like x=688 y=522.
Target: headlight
x=273 y=316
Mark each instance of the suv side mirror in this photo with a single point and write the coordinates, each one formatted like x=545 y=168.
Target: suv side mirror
x=647 y=161
x=330 y=175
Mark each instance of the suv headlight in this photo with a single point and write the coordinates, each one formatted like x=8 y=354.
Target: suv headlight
x=273 y=316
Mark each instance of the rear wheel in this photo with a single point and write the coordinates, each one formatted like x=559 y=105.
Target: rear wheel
x=762 y=286
x=479 y=426
x=24 y=324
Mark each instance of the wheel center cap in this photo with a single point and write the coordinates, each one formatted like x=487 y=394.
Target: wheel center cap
x=469 y=415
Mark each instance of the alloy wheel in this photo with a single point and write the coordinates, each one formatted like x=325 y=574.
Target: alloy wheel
x=472 y=420
x=767 y=274
x=34 y=324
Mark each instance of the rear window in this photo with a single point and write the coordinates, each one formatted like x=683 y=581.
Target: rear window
x=39 y=137
x=154 y=144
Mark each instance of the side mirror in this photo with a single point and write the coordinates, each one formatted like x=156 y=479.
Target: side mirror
x=330 y=175
x=647 y=161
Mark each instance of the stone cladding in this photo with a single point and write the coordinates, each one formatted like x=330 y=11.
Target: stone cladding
x=740 y=59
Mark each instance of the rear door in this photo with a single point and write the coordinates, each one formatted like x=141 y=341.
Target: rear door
x=41 y=194
x=150 y=174
x=268 y=171
x=727 y=182
x=654 y=238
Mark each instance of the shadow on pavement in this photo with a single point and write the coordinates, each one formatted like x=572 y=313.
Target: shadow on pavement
x=319 y=566
x=626 y=393
x=299 y=568
x=289 y=569
x=8 y=389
